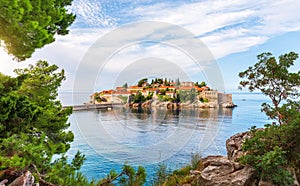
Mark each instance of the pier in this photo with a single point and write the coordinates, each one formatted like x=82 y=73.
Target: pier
x=94 y=106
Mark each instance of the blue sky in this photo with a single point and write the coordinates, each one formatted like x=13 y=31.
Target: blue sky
x=235 y=31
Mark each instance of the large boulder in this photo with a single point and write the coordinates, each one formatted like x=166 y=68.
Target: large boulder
x=234 y=145
x=219 y=170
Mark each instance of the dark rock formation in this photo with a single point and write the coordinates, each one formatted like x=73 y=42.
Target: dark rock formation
x=219 y=170
x=234 y=145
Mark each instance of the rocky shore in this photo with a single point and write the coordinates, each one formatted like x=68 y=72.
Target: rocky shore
x=226 y=170
x=170 y=105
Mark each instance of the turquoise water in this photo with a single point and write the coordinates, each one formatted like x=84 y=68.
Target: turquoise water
x=110 y=138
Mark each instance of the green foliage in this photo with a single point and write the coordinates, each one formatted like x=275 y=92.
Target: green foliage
x=187 y=96
x=275 y=150
x=63 y=173
x=128 y=177
x=203 y=100
x=165 y=98
x=125 y=85
x=142 y=81
x=202 y=84
x=27 y=25
x=274 y=80
x=162 y=174
x=158 y=80
x=138 y=98
x=272 y=150
x=163 y=92
x=149 y=96
x=99 y=98
x=33 y=125
x=164 y=177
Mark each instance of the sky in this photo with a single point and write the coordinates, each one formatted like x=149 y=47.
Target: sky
x=111 y=42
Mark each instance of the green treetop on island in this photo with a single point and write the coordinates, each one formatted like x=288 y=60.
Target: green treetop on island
x=28 y=25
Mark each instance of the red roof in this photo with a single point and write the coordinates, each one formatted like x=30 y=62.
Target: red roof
x=108 y=91
x=120 y=88
x=186 y=88
x=135 y=87
x=167 y=87
x=152 y=89
x=122 y=93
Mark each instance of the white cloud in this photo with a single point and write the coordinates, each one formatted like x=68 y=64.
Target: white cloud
x=239 y=24
x=92 y=13
x=226 y=27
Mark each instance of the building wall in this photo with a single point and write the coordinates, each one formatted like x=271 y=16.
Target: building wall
x=92 y=99
x=187 y=84
x=211 y=95
x=225 y=98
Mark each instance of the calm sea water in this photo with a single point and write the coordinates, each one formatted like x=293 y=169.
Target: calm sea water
x=109 y=138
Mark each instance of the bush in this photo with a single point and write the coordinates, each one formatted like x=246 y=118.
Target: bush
x=203 y=100
x=270 y=152
x=138 y=98
x=179 y=176
x=165 y=98
x=187 y=96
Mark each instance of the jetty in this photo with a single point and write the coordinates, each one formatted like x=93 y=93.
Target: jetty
x=105 y=106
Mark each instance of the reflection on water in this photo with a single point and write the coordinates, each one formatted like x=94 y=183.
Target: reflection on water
x=140 y=136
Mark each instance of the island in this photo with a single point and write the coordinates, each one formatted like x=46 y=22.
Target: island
x=164 y=93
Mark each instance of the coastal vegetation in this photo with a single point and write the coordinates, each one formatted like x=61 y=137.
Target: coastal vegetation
x=184 y=175
x=275 y=150
x=33 y=127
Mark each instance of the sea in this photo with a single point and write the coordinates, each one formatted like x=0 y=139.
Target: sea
x=116 y=136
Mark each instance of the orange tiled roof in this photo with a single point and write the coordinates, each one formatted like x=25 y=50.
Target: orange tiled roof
x=108 y=91
x=167 y=87
x=120 y=88
x=135 y=87
x=122 y=92
x=186 y=88
x=152 y=89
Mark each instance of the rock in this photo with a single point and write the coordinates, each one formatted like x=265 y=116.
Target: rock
x=228 y=105
x=147 y=104
x=136 y=105
x=293 y=172
x=3 y=182
x=26 y=179
x=265 y=183
x=219 y=170
x=169 y=105
x=195 y=172
x=234 y=145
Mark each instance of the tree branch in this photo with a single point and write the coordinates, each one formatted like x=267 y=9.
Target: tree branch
x=40 y=176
